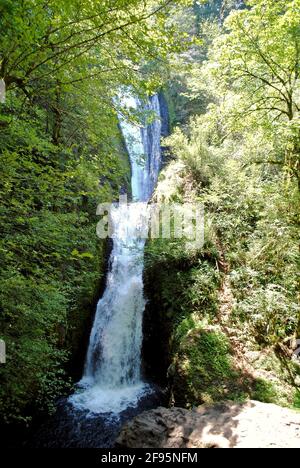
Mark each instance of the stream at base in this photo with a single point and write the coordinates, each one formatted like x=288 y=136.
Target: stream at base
x=73 y=428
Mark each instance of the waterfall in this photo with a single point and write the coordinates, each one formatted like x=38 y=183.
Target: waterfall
x=112 y=378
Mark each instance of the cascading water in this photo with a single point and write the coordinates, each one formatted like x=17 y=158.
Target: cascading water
x=112 y=376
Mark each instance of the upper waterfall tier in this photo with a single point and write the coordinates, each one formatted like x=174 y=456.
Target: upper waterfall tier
x=143 y=145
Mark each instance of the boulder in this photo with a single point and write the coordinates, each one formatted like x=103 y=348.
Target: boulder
x=223 y=425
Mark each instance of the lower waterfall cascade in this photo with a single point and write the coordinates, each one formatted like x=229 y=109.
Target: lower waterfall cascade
x=112 y=379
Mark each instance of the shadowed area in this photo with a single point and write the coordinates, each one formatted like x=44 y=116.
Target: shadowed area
x=223 y=425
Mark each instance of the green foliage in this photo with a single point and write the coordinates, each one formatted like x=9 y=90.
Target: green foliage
x=265 y=266
x=188 y=282
x=204 y=371
x=51 y=263
x=62 y=153
x=239 y=155
x=262 y=61
x=272 y=313
x=64 y=44
x=264 y=391
x=261 y=66
x=297 y=399
x=260 y=239
x=200 y=158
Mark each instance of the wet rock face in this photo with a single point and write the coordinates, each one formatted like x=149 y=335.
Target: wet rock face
x=223 y=425
x=164 y=112
x=165 y=126
x=157 y=330
x=156 y=353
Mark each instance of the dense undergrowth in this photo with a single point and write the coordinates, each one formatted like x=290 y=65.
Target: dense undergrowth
x=231 y=308
x=51 y=263
x=184 y=289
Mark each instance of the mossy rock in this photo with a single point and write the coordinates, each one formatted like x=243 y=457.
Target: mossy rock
x=204 y=371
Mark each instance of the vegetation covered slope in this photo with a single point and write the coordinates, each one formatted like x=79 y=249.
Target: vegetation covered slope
x=229 y=312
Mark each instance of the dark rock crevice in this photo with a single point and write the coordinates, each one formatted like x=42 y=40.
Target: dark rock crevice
x=157 y=331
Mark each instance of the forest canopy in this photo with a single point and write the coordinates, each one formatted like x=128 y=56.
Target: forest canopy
x=228 y=71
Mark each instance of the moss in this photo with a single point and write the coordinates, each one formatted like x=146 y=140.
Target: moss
x=204 y=370
x=296 y=402
x=183 y=290
x=264 y=391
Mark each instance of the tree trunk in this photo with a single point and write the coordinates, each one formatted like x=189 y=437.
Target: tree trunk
x=56 y=133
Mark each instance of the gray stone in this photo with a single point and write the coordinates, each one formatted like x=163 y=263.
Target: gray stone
x=223 y=425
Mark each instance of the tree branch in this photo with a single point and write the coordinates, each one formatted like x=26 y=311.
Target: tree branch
x=99 y=36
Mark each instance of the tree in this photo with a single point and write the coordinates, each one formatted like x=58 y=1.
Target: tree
x=259 y=58
x=41 y=38
x=51 y=49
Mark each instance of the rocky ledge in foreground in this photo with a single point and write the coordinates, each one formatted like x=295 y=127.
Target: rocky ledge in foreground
x=223 y=425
